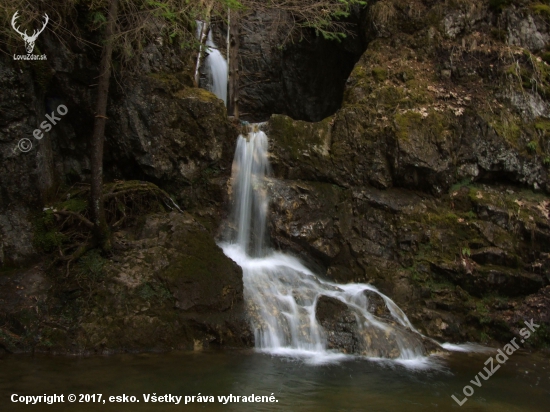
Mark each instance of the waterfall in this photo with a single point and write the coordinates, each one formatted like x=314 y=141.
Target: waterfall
x=215 y=65
x=281 y=293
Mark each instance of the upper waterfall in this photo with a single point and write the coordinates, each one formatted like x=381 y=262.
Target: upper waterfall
x=283 y=296
x=216 y=66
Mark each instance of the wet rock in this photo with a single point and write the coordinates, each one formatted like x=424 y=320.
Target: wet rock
x=347 y=331
x=309 y=217
x=339 y=323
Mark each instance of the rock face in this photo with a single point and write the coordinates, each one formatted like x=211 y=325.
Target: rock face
x=161 y=129
x=303 y=78
x=169 y=287
x=339 y=324
x=344 y=333
x=23 y=178
x=431 y=181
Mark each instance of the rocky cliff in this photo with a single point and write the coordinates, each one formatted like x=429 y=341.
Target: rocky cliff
x=428 y=178
x=431 y=181
x=166 y=284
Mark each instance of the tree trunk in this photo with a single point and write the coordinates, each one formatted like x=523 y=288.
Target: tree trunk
x=233 y=58
x=203 y=36
x=101 y=228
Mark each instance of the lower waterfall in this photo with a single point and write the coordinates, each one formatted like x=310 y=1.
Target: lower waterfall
x=283 y=296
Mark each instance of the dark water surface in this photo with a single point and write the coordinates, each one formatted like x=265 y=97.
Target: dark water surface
x=522 y=384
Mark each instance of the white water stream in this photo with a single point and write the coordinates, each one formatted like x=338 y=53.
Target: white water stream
x=215 y=65
x=282 y=293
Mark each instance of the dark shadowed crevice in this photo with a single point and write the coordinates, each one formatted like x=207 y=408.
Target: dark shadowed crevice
x=314 y=75
x=304 y=80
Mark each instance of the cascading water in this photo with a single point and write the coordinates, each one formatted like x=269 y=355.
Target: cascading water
x=216 y=66
x=282 y=294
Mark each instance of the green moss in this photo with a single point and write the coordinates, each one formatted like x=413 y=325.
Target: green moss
x=380 y=74
x=541 y=337
x=541 y=9
x=413 y=124
x=463 y=183
x=46 y=236
x=90 y=266
x=299 y=137
x=202 y=264
x=77 y=205
x=532 y=146
x=358 y=72
x=543 y=125
x=170 y=80
x=406 y=122
x=154 y=292
x=508 y=129
x=197 y=93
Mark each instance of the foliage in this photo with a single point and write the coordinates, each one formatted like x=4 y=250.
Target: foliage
x=532 y=146
x=323 y=16
x=47 y=237
x=140 y=21
x=541 y=9
x=151 y=292
x=463 y=183
x=90 y=266
x=63 y=228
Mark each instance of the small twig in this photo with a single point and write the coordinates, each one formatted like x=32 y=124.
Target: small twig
x=77 y=215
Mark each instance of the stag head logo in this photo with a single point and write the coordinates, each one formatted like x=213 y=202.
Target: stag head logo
x=29 y=40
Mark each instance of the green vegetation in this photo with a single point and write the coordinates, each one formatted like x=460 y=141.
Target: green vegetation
x=90 y=266
x=463 y=183
x=532 y=146
x=414 y=125
x=507 y=128
x=542 y=9
x=380 y=74
x=139 y=20
x=47 y=238
x=154 y=292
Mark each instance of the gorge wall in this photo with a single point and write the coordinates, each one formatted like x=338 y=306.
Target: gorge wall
x=431 y=181
x=428 y=178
